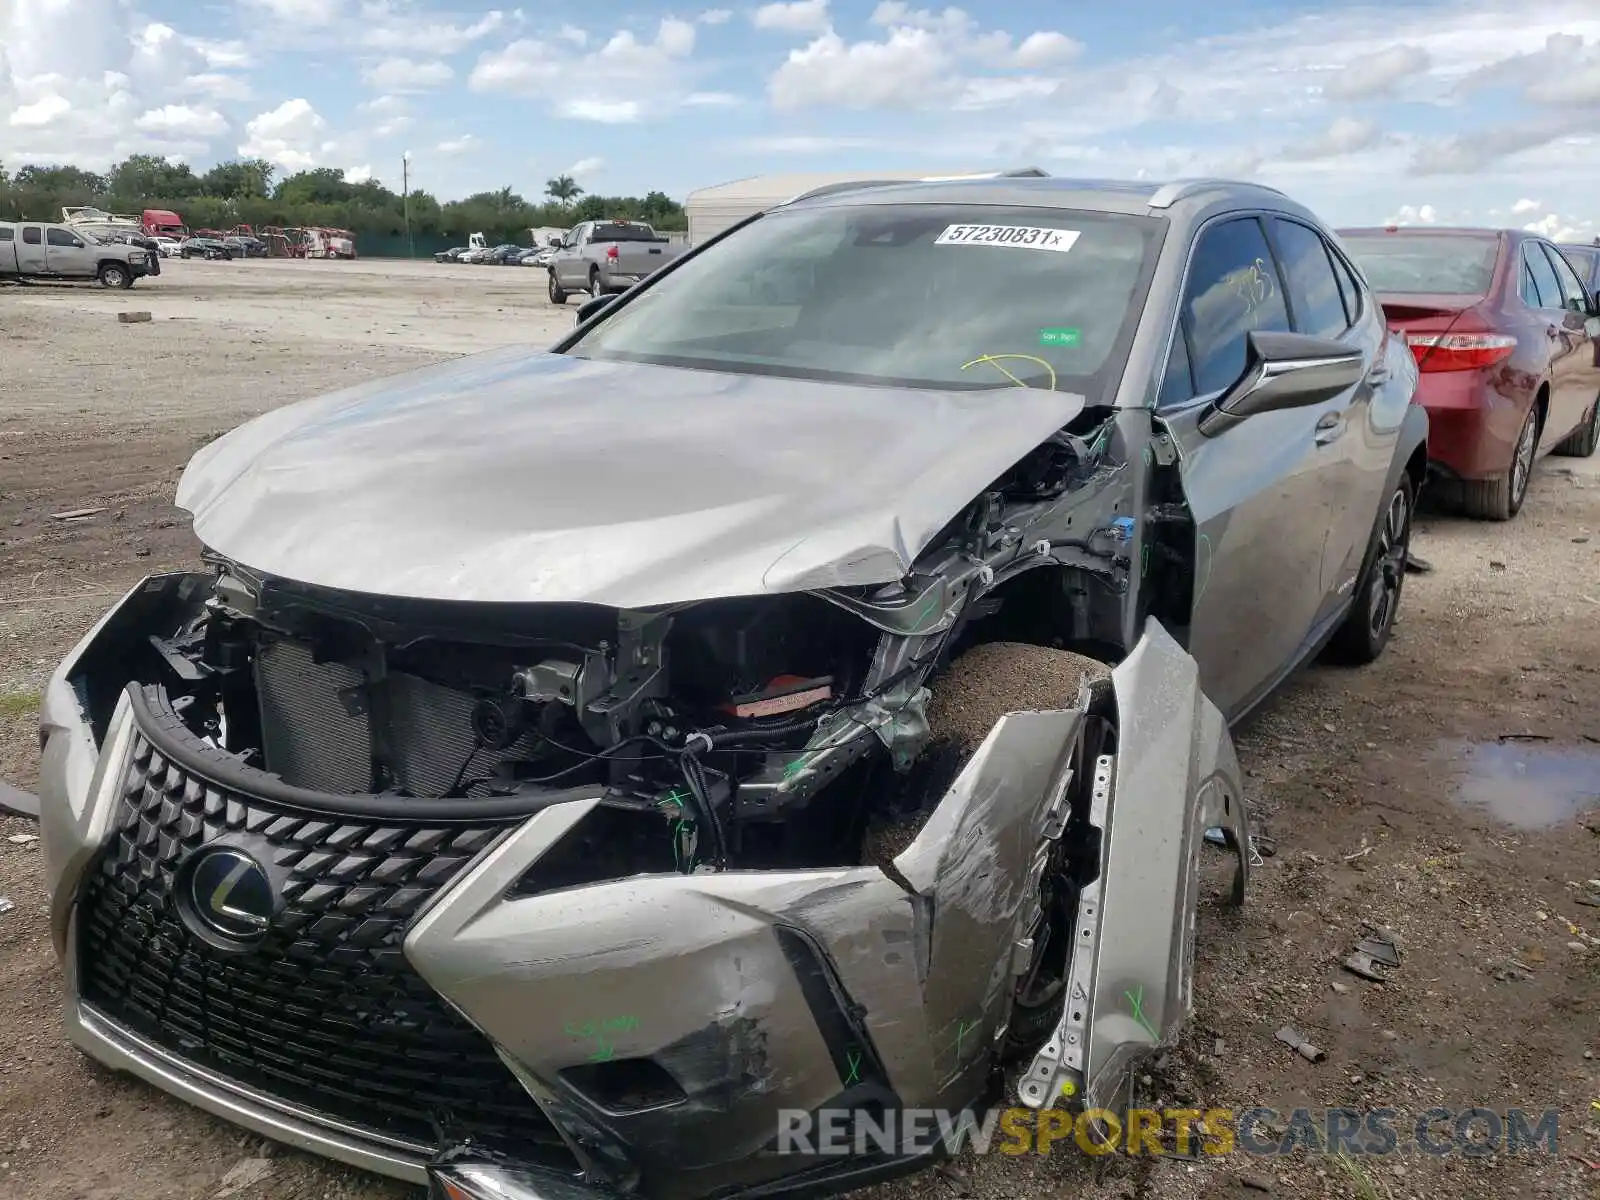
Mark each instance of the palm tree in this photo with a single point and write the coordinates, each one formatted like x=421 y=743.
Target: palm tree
x=563 y=189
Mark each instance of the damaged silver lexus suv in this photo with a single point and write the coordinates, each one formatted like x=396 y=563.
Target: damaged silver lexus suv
x=804 y=689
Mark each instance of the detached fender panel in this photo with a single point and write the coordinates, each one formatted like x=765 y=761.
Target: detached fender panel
x=1174 y=775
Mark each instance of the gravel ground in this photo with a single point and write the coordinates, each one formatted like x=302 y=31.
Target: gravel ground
x=1389 y=792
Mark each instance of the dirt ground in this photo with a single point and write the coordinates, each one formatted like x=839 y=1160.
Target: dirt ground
x=1389 y=792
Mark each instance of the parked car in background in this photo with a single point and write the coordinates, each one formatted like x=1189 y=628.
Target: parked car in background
x=505 y=254
x=167 y=246
x=869 y=763
x=451 y=255
x=204 y=247
x=539 y=257
x=599 y=257
x=245 y=246
x=40 y=250
x=1504 y=333
x=1586 y=261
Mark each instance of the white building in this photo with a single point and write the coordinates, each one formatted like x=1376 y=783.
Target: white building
x=713 y=209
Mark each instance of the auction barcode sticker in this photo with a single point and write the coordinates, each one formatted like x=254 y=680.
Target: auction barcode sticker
x=1023 y=237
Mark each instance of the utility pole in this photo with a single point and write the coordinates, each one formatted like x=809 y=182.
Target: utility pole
x=405 y=201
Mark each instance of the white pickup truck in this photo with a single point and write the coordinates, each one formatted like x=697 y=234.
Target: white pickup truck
x=36 y=249
x=598 y=257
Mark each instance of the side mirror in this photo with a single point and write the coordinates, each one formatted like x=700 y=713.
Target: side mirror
x=1284 y=370
x=1592 y=327
x=589 y=307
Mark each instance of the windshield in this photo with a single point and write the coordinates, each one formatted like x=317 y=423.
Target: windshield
x=930 y=296
x=1448 y=265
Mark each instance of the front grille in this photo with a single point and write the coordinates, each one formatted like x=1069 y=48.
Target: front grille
x=325 y=1013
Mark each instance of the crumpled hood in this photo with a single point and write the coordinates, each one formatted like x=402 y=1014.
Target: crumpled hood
x=520 y=476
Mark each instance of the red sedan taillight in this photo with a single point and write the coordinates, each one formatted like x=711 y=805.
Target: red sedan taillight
x=1459 y=351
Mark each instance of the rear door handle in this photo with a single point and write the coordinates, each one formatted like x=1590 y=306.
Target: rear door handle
x=1329 y=427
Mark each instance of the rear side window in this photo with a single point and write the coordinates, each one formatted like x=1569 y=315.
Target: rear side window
x=7 y=234
x=1542 y=277
x=1348 y=285
x=31 y=236
x=1232 y=292
x=1314 y=294
x=1573 y=296
x=612 y=232
x=60 y=237
x=1421 y=263
x=1586 y=261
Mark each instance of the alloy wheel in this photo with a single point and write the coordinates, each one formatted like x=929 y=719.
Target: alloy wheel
x=1522 y=460
x=1389 y=566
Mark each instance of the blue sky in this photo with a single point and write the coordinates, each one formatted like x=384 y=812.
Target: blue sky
x=1481 y=111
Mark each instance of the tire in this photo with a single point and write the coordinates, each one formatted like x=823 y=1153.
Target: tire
x=1501 y=499
x=115 y=275
x=558 y=294
x=969 y=696
x=1581 y=442
x=183 y=254
x=596 y=288
x=1367 y=627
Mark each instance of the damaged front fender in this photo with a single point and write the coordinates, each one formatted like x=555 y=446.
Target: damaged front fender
x=746 y=995
x=1174 y=775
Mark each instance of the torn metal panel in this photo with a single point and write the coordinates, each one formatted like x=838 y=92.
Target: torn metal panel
x=603 y=482
x=1174 y=776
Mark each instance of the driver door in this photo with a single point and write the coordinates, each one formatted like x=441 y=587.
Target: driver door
x=1262 y=492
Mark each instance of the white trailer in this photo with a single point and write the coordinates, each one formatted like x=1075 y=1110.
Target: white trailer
x=713 y=209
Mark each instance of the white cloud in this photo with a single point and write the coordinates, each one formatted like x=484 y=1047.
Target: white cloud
x=44 y=111
x=621 y=81
x=585 y=167
x=217 y=86
x=797 y=16
x=715 y=16
x=302 y=12
x=1046 y=48
x=1345 y=136
x=1369 y=76
x=1526 y=206
x=923 y=60
x=1562 y=229
x=407 y=75
x=388 y=25
x=571 y=33
x=711 y=100
x=293 y=136
x=183 y=120
x=1410 y=214
x=392 y=115
x=458 y=145
x=362 y=174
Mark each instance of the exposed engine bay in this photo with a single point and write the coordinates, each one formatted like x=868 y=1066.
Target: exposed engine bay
x=735 y=732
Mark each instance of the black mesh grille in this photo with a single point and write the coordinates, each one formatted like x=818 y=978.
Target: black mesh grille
x=325 y=1013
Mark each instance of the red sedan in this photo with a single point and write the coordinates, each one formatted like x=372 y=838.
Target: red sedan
x=1507 y=341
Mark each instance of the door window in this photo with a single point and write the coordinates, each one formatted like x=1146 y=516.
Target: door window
x=1543 y=278
x=1572 y=293
x=60 y=237
x=1233 y=291
x=1348 y=286
x=31 y=235
x=1314 y=294
x=6 y=233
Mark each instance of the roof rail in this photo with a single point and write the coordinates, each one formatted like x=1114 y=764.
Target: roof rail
x=829 y=189
x=1169 y=194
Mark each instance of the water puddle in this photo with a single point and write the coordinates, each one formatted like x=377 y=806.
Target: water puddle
x=1531 y=785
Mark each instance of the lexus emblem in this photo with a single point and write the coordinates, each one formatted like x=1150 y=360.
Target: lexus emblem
x=228 y=895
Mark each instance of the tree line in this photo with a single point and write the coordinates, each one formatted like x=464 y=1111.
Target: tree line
x=250 y=192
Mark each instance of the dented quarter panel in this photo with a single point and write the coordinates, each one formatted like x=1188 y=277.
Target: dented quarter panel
x=526 y=476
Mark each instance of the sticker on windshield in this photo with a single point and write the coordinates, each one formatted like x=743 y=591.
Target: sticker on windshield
x=1060 y=337
x=1023 y=237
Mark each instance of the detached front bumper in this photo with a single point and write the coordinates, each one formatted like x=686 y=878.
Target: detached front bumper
x=428 y=998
